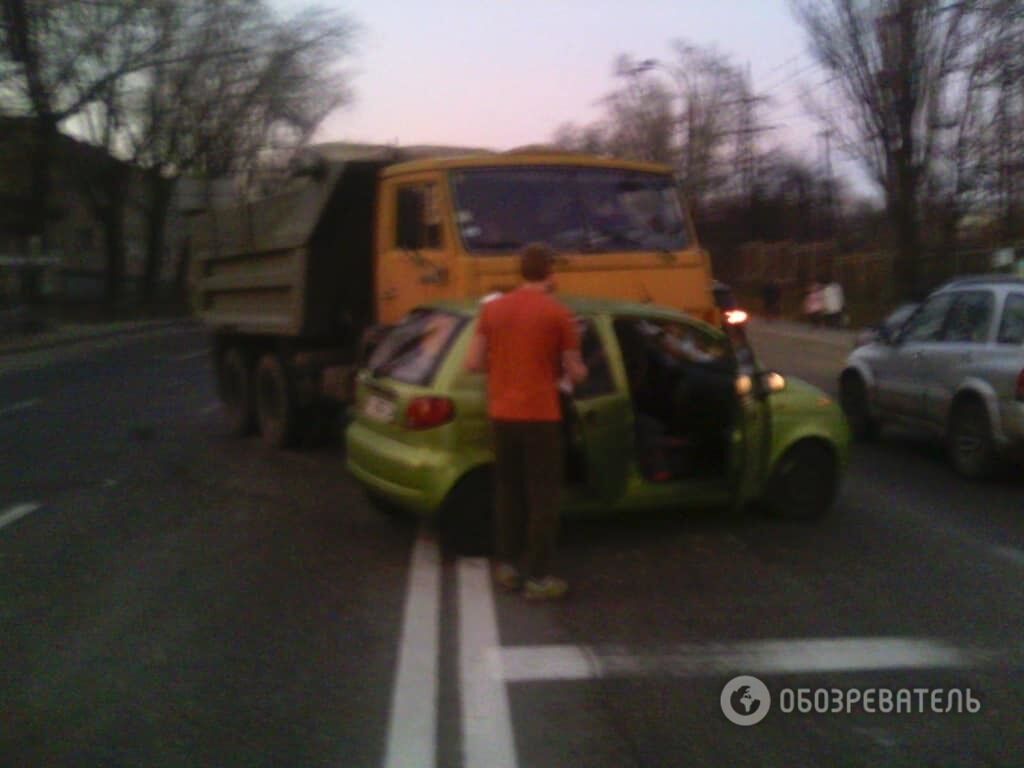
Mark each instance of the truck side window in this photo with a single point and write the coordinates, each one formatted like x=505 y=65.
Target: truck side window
x=419 y=219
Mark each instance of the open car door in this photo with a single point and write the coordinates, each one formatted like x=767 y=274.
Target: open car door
x=751 y=439
x=600 y=422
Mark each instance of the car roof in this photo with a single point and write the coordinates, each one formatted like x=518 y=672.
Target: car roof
x=968 y=280
x=583 y=305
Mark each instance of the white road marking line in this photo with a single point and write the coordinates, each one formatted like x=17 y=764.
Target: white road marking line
x=208 y=409
x=487 y=740
x=22 y=406
x=190 y=356
x=520 y=664
x=1011 y=554
x=17 y=512
x=412 y=730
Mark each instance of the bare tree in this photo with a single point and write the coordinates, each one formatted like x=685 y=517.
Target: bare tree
x=641 y=121
x=236 y=84
x=55 y=61
x=893 y=64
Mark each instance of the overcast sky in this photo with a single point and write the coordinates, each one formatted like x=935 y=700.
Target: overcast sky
x=503 y=74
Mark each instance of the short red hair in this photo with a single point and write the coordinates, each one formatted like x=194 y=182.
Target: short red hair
x=536 y=262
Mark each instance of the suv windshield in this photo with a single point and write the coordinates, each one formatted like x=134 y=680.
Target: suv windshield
x=413 y=349
x=592 y=210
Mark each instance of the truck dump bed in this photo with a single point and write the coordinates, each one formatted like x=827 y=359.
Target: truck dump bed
x=298 y=263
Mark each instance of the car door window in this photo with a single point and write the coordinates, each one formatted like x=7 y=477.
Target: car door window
x=970 y=318
x=927 y=322
x=599 y=376
x=1011 y=328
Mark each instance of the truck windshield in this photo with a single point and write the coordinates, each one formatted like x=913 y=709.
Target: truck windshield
x=586 y=210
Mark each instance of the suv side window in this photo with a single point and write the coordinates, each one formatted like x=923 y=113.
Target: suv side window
x=1011 y=329
x=926 y=324
x=970 y=318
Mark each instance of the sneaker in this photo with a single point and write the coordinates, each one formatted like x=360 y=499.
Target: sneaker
x=507 y=577
x=548 y=588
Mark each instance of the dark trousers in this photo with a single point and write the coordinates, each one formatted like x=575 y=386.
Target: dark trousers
x=528 y=484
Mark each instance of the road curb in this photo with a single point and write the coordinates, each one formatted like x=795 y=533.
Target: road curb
x=35 y=344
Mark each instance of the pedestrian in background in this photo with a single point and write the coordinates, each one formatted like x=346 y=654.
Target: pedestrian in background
x=772 y=295
x=814 y=303
x=833 y=303
x=526 y=342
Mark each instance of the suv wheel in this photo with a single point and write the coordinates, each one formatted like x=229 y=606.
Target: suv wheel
x=853 y=397
x=969 y=441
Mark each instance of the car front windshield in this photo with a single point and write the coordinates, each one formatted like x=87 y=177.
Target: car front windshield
x=586 y=210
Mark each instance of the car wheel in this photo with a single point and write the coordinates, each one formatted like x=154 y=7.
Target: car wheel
x=275 y=403
x=466 y=520
x=853 y=397
x=803 y=483
x=234 y=384
x=969 y=441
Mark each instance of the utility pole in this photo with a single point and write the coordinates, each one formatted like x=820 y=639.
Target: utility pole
x=747 y=132
x=830 y=217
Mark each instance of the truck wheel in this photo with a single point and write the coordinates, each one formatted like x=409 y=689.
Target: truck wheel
x=466 y=520
x=234 y=384
x=275 y=403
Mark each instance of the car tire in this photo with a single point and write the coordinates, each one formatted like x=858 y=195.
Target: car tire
x=467 y=515
x=969 y=443
x=275 y=403
x=853 y=398
x=803 y=483
x=235 y=387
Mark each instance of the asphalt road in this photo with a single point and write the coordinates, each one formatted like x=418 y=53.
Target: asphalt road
x=174 y=597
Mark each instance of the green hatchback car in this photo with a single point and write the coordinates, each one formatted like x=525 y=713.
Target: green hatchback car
x=673 y=414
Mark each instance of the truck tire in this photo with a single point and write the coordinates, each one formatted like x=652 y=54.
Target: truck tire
x=275 y=403
x=234 y=385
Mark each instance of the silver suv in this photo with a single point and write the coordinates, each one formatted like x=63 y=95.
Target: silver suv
x=955 y=368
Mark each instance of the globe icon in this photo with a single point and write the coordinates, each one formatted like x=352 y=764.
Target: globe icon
x=744 y=700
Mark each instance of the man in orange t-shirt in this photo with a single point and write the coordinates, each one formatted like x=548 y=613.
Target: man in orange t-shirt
x=526 y=342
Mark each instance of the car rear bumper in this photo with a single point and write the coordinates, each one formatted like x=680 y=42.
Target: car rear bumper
x=414 y=478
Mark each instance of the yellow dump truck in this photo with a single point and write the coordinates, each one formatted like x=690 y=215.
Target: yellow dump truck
x=291 y=283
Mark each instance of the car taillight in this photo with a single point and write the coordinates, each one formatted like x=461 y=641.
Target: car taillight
x=428 y=412
x=1020 y=385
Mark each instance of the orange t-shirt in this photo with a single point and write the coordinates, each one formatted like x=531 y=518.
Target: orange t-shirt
x=526 y=332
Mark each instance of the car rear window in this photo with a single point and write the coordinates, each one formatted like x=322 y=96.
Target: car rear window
x=1011 y=329
x=412 y=351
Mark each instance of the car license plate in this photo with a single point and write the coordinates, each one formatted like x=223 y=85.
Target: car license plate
x=379 y=409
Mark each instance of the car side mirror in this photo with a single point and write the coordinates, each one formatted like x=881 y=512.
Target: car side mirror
x=884 y=334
